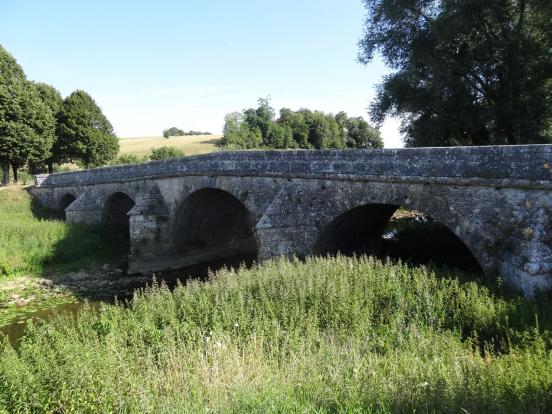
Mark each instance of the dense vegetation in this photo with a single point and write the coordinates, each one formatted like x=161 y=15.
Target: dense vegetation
x=29 y=244
x=343 y=334
x=176 y=132
x=258 y=128
x=466 y=72
x=38 y=128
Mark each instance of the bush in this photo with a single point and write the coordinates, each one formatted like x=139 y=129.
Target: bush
x=128 y=159
x=163 y=153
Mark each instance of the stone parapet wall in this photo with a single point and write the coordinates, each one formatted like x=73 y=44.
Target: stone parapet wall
x=517 y=166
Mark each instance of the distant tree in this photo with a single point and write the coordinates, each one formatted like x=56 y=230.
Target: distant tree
x=296 y=121
x=173 y=132
x=280 y=136
x=84 y=133
x=466 y=72
x=163 y=153
x=26 y=123
x=53 y=100
x=359 y=134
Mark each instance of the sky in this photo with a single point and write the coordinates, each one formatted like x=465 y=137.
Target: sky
x=151 y=65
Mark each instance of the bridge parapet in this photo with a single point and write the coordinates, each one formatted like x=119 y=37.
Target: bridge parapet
x=529 y=165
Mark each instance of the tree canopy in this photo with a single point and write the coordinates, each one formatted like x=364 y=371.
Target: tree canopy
x=84 y=133
x=259 y=128
x=466 y=72
x=26 y=123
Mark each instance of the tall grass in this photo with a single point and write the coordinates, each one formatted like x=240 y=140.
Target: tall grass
x=29 y=243
x=327 y=335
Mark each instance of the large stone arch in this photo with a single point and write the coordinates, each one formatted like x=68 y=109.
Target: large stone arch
x=115 y=217
x=212 y=223
x=369 y=207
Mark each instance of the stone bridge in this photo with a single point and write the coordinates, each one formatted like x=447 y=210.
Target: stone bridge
x=178 y=212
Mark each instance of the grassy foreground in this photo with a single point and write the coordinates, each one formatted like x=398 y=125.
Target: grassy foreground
x=191 y=145
x=328 y=335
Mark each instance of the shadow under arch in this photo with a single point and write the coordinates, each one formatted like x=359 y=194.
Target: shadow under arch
x=65 y=202
x=389 y=231
x=115 y=219
x=213 y=225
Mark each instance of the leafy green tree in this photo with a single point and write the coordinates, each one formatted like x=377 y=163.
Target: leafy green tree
x=296 y=121
x=84 y=133
x=359 y=134
x=26 y=123
x=466 y=72
x=164 y=153
x=53 y=100
x=280 y=136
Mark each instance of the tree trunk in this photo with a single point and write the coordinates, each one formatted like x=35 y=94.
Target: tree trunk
x=5 y=174
x=50 y=167
x=15 y=174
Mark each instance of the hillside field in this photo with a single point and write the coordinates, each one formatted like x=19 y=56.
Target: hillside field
x=191 y=145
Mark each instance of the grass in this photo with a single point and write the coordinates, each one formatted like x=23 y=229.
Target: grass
x=191 y=145
x=321 y=336
x=32 y=241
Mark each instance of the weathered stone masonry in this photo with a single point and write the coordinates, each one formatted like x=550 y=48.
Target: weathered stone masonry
x=497 y=200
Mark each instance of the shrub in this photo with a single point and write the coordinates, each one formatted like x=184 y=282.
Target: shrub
x=165 y=152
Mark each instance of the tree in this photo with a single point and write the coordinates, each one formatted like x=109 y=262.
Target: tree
x=296 y=121
x=53 y=100
x=173 y=132
x=26 y=123
x=163 y=153
x=359 y=134
x=467 y=72
x=84 y=133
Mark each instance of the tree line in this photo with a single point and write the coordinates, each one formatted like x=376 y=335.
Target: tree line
x=259 y=128
x=39 y=128
x=176 y=132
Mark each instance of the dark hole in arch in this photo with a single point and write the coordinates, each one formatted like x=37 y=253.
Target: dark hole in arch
x=115 y=220
x=388 y=231
x=213 y=225
x=65 y=202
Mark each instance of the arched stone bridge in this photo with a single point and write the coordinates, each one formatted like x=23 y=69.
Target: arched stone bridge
x=497 y=200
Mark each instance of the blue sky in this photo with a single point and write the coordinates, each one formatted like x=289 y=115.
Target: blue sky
x=154 y=64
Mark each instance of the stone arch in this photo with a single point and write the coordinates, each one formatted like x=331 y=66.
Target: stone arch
x=358 y=230
x=65 y=202
x=115 y=219
x=214 y=224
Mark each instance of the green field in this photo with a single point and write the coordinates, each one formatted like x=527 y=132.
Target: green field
x=191 y=145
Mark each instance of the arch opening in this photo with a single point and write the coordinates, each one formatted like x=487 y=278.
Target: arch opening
x=115 y=219
x=390 y=231
x=213 y=225
x=65 y=202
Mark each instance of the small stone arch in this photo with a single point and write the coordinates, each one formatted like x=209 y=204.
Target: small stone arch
x=115 y=219
x=212 y=223
x=65 y=202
